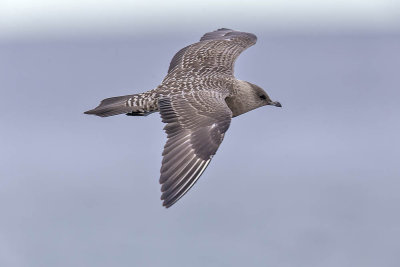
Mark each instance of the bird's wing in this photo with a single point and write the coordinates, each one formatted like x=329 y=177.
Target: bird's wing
x=216 y=51
x=196 y=124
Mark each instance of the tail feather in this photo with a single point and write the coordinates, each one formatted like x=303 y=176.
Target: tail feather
x=133 y=105
x=112 y=106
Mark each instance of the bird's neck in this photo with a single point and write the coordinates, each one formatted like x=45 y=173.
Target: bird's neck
x=241 y=100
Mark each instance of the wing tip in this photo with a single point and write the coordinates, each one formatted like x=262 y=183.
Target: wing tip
x=178 y=192
x=167 y=205
x=225 y=33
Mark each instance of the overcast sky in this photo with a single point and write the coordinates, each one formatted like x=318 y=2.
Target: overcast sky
x=315 y=183
x=46 y=17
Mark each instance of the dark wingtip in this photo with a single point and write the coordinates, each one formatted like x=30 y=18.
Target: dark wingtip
x=224 y=29
x=167 y=205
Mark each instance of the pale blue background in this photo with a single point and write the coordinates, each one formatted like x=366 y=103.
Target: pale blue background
x=315 y=183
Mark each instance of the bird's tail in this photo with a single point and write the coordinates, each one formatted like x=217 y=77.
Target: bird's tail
x=133 y=105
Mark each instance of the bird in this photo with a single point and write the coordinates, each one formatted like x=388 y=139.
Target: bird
x=197 y=100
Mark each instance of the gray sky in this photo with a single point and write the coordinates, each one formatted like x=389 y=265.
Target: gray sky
x=312 y=184
x=19 y=18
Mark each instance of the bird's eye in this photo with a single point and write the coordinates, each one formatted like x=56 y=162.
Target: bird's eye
x=263 y=97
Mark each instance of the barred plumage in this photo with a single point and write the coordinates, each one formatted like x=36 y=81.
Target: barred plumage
x=197 y=99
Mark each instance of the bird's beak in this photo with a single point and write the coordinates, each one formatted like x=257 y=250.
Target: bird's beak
x=275 y=103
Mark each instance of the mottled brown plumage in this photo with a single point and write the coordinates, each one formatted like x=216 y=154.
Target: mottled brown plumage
x=196 y=100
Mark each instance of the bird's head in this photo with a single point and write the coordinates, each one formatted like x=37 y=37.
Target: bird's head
x=247 y=97
x=260 y=97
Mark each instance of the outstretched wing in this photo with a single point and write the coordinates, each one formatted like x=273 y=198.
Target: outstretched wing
x=196 y=124
x=216 y=50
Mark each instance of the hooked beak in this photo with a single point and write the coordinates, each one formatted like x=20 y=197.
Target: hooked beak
x=275 y=103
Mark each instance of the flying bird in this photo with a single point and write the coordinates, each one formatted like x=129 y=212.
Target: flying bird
x=197 y=100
